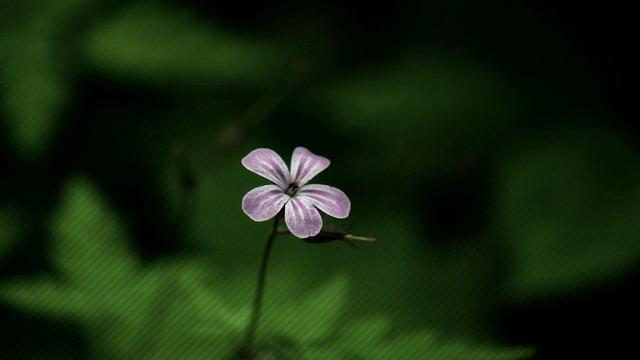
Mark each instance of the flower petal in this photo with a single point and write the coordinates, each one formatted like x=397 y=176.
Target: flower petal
x=331 y=200
x=305 y=165
x=302 y=218
x=267 y=163
x=264 y=202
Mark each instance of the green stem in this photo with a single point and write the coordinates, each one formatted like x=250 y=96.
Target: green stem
x=262 y=278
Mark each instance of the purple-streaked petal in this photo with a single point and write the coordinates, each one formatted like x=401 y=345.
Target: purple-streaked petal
x=305 y=165
x=302 y=218
x=331 y=200
x=264 y=202
x=267 y=163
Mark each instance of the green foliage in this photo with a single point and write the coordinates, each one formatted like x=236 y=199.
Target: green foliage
x=34 y=92
x=570 y=208
x=428 y=89
x=423 y=112
x=127 y=308
x=313 y=317
x=90 y=245
x=425 y=345
x=33 y=83
x=374 y=339
x=155 y=43
x=168 y=309
x=33 y=73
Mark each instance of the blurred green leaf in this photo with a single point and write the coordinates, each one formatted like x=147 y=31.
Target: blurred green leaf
x=127 y=309
x=90 y=244
x=168 y=308
x=181 y=318
x=361 y=336
x=33 y=74
x=570 y=208
x=427 y=345
x=423 y=113
x=440 y=92
x=34 y=91
x=373 y=339
x=313 y=317
x=49 y=297
x=155 y=43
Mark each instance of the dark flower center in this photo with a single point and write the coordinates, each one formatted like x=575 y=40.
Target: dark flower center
x=293 y=188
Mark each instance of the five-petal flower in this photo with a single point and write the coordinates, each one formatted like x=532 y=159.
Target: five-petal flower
x=290 y=190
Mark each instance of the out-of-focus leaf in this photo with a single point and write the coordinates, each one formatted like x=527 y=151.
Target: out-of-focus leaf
x=164 y=310
x=570 y=208
x=154 y=314
x=313 y=317
x=422 y=113
x=33 y=91
x=195 y=323
x=154 y=43
x=101 y=286
x=167 y=311
x=372 y=339
x=33 y=84
x=47 y=297
x=158 y=317
x=425 y=90
x=90 y=244
x=360 y=336
x=11 y=227
x=426 y=345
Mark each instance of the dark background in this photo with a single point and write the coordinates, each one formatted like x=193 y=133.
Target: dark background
x=490 y=147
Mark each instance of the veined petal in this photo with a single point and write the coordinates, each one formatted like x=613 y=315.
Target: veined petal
x=264 y=202
x=305 y=165
x=331 y=200
x=302 y=218
x=267 y=163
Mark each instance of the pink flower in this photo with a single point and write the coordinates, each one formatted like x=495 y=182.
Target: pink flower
x=290 y=190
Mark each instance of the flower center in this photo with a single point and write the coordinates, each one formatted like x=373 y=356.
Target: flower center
x=293 y=188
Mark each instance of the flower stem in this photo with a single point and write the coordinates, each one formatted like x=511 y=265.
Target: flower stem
x=262 y=278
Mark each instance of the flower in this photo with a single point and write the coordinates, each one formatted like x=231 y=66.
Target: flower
x=290 y=190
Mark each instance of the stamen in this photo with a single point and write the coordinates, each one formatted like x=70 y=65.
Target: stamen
x=293 y=188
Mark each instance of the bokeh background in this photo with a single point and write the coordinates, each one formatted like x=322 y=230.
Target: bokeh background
x=489 y=147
